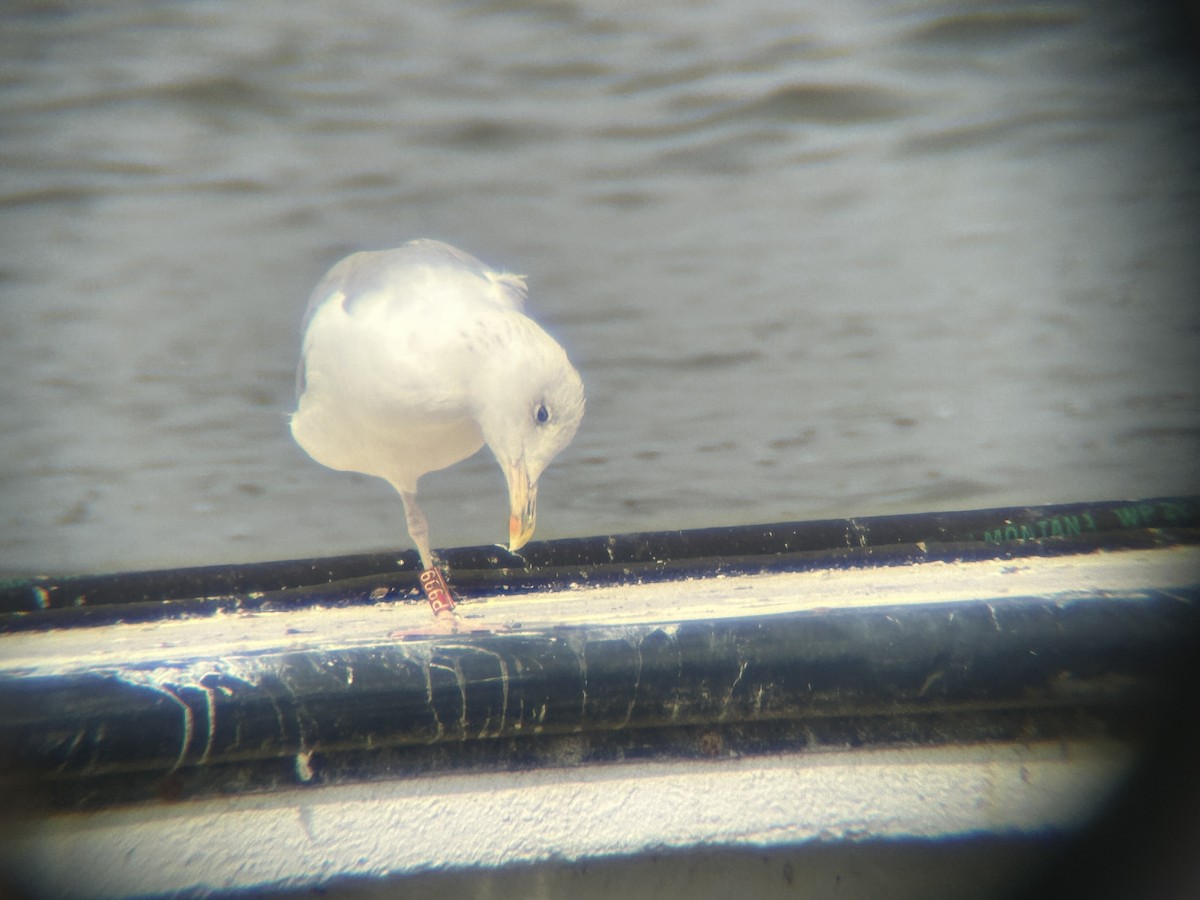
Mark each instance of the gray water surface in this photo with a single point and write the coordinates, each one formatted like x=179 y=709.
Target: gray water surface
x=811 y=259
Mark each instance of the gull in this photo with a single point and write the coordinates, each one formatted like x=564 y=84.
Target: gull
x=413 y=359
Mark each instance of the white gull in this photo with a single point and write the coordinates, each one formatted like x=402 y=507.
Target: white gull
x=414 y=358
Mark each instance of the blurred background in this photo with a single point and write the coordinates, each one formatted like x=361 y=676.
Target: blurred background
x=811 y=259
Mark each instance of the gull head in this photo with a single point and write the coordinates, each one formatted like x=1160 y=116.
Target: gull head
x=530 y=405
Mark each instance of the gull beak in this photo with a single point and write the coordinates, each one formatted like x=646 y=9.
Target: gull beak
x=522 y=500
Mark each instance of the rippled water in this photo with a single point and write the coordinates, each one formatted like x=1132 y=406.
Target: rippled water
x=837 y=260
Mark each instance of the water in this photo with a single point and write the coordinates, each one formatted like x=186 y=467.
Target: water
x=836 y=260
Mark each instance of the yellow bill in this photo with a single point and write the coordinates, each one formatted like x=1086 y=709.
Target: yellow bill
x=522 y=499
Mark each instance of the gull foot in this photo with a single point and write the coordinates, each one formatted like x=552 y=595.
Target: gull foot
x=441 y=601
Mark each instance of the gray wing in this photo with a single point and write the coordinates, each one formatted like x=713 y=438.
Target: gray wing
x=438 y=254
x=362 y=274
x=426 y=252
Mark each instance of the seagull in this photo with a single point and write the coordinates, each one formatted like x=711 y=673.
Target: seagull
x=413 y=359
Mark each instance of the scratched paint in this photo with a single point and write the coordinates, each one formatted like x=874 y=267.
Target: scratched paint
x=309 y=705
x=605 y=560
x=709 y=667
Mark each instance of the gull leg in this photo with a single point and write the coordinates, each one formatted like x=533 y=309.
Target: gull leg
x=418 y=529
x=433 y=584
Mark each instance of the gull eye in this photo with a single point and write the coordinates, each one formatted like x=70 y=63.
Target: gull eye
x=542 y=415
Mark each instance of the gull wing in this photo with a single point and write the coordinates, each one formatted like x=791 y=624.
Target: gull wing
x=369 y=276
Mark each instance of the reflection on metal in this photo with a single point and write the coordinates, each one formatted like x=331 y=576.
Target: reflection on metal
x=616 y=559
x=678 y=649
x=973 y=670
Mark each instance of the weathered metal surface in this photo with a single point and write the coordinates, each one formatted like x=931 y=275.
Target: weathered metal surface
x=719 y=642
x=958 y=671
x=50 y=602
